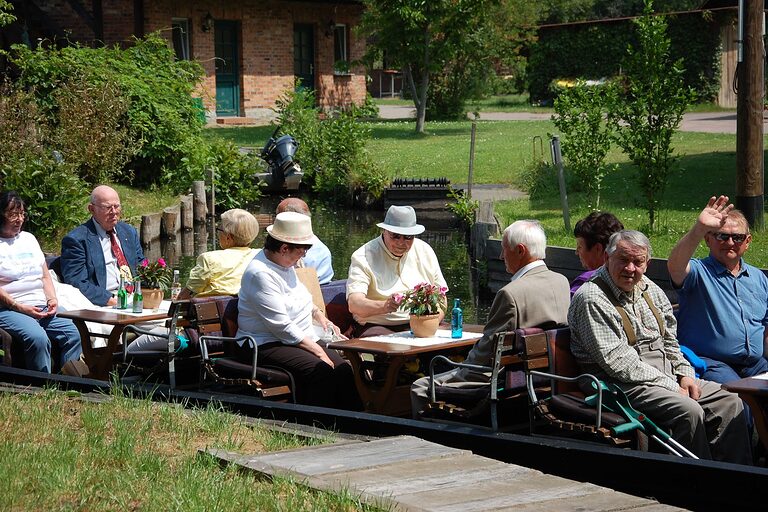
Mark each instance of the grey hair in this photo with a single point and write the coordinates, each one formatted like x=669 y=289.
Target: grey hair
x=530 y=234
x=633 y=237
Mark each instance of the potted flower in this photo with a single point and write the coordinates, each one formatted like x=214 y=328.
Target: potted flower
x=155 y=279
x=424 y=302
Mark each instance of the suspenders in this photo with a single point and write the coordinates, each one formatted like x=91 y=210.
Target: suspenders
x=625 y=323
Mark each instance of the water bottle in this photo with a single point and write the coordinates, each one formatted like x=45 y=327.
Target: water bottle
x=457 y=319
x=175 y=286
x=122 y=295
x=138 y=298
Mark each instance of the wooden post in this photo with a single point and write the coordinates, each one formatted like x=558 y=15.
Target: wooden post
x=749 y=116
x=471 y=160
x=199 y=208
x=557 y=160
x=212 y=203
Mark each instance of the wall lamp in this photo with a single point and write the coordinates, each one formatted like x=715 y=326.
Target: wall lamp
x=207 y=23
x=330 y=29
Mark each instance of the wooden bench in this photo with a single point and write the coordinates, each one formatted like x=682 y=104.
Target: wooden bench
x=482 y=403
x=562 y=408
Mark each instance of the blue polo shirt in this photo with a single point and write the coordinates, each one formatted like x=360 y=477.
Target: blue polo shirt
x=723 y=317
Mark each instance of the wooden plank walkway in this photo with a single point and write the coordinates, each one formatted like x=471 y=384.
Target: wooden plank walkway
x=406 y=473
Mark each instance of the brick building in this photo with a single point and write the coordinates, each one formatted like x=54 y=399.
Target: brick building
x=252 y=50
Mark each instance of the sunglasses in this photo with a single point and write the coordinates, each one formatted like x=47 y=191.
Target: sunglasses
x=395 y=236
x=736 y=237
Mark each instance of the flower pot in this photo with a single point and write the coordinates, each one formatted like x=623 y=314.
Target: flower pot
x=424 y=326
x=152 y=297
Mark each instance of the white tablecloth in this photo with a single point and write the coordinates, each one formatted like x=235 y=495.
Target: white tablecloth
x=407 y=338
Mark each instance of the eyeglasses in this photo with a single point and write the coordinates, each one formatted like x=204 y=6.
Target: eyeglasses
x=16 y=215
x=109 y=207
x=736 y=237
x=396 y=236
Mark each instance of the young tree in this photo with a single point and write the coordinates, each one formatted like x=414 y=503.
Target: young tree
x=423 y=37
x=580 y=116
x=651 y=101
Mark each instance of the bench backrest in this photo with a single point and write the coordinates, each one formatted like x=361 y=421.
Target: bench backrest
x=550 y=351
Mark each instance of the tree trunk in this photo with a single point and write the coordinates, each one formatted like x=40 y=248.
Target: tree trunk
x=421 y=110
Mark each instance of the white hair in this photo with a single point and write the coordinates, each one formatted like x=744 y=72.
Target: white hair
x=530 y=234
x=633 y=237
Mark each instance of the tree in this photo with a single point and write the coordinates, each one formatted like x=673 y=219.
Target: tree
x=423 y=37
x=6 y=18
x=652 y=98
x=580 y=116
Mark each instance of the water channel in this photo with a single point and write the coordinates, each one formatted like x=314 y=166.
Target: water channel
x=343 y=231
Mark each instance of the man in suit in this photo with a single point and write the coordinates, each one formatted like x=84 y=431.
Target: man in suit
x=95 y=254
x=534 y=297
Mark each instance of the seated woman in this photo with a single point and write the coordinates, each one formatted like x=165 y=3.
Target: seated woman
x=216 y=272
x=592 y=234
x=277 y=311
x=28 y=301
x=387 y=267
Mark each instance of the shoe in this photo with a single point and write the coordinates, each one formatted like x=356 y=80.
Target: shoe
x=75 y=368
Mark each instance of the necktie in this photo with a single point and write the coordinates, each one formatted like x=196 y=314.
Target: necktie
x=116 y=250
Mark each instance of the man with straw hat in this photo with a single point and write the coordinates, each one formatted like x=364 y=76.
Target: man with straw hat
x=276 y=310
x=384 y=268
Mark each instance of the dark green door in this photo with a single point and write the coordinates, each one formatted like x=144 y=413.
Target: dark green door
x=227 y=69
x=304 y=55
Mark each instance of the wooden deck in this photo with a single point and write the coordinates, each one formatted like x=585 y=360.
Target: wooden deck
x=406 y=473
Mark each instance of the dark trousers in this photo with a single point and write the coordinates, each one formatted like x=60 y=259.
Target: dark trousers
x=316 y=382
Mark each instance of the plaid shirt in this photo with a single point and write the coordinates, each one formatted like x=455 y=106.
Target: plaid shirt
x=601 y=347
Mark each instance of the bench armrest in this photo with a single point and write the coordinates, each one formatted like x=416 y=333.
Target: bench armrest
x=589 y=376
x=251 y=342
x=454 y=364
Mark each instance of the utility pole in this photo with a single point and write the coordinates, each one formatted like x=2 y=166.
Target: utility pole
x=749 y=113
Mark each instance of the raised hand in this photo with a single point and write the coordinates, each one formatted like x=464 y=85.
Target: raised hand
x=714 y=215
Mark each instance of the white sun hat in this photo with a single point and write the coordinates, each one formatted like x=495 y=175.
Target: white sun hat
x=292 y=228
x=401 y=220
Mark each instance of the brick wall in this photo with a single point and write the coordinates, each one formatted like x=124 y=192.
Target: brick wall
x=265 y=49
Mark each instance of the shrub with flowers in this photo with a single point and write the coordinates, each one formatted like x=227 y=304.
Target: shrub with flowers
x=423 y=299
x=154 y=275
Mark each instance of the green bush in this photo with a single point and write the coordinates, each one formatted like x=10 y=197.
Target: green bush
x=161 y=114
x=331 y=151
x=91 y=134
x=54 y=193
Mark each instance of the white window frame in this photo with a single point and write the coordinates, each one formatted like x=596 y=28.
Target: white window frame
x=180 y=29
x=340 y=45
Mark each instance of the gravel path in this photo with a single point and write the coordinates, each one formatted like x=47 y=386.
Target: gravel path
x=707 y=122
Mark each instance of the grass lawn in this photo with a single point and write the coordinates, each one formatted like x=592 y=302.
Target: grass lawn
x=60 y=453
x=506 y=149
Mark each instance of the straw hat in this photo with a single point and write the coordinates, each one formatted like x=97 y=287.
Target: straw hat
x=401 y=220
x=292 y=228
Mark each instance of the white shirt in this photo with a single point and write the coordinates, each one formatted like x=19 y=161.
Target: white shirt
x=21 y=268
x=113 y=269
x=377 y=273
x=274 y=305
x=521 y=271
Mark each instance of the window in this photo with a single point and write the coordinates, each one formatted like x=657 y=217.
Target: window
x=180 y=32
x=340 y=56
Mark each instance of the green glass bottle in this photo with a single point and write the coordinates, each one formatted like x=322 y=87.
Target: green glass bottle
x=122 y=295
x=138 y=298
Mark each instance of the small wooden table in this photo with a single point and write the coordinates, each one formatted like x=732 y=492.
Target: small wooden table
x=99 y=361
x=754 y=391
x=388 y=397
